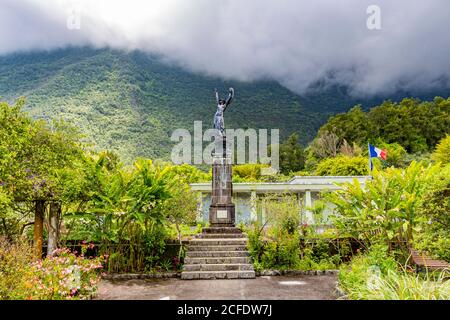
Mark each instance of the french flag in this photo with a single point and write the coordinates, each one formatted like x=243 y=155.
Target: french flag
x=375 y=152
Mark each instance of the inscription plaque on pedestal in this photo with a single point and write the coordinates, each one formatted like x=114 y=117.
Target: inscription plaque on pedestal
x=222 y=214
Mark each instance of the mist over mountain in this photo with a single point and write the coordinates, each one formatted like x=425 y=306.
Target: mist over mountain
x=130 y=101
x=294 y=42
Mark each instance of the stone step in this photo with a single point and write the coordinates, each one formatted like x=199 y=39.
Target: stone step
x=218 y=267
x=218 y=242
x=216 y=254
x=222 y=230
x=212 y=260
x=192 y=248
x=191 y=275
x=220 y=235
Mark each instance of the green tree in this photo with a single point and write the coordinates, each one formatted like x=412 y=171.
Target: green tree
x=353 y=126
x=292 y=156
x=33 y=157
x=416 y=126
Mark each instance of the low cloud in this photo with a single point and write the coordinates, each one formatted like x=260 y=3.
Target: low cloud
x=297 y=43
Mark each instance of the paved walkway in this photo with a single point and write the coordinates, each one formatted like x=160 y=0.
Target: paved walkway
x=320 y=287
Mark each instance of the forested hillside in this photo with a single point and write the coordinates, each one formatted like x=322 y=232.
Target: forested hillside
x=415 y=125
x=130 y=102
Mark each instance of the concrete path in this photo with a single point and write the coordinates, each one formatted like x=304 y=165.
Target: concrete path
x=319 y=287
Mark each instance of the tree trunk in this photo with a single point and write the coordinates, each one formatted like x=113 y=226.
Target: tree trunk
x=177 y=226
x=54 y=218
x=38 y=227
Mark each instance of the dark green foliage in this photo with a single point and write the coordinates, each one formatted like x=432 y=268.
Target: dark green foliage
x=417 y=126
x=292 y=155
x=353 y=126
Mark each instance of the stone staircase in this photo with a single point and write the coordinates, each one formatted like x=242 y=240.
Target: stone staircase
x=218 y=253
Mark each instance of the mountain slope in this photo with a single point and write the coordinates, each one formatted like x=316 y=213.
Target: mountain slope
x=131 y=102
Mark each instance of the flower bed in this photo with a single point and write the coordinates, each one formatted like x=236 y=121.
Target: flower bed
x=64 y=276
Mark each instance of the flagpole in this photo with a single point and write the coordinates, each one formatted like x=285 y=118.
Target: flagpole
x=370 y=159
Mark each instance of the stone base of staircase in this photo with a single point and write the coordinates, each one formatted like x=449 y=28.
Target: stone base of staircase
x=218 y=253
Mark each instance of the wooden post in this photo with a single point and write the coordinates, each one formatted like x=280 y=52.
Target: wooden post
x=38 y=227
x=54 y=217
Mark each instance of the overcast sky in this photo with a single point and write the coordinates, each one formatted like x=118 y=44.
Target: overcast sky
x=294 y=42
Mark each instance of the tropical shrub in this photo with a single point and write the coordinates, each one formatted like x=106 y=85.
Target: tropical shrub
x=282 y=253
x=442 y=151
x=433 y=234
x=121 y=208
x=343 y=166
x=284 y=243
x=386 y=210
x=247 y=172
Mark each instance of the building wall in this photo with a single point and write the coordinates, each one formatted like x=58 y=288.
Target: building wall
x=241 y=201
x=307 y=188
x=246 y=211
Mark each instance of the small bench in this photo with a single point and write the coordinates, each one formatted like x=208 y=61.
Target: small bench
x=421 y=261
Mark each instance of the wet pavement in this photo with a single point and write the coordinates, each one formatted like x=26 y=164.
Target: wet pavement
x=313 y=287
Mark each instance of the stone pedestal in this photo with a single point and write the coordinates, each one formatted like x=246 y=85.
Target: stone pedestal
x=222 y=209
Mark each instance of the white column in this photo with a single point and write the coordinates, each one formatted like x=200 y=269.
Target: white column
x=308 y=205
x=299 y=200
x=199 y=207
x=253 y=213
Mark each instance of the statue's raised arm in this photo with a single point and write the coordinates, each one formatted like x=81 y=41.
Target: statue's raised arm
x=217 y=95
x=230 y=97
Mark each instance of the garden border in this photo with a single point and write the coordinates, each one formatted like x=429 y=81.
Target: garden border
x=141 y=276
x=167 y=275
x=295 y=272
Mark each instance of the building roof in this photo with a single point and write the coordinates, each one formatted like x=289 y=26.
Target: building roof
x=296 y=184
